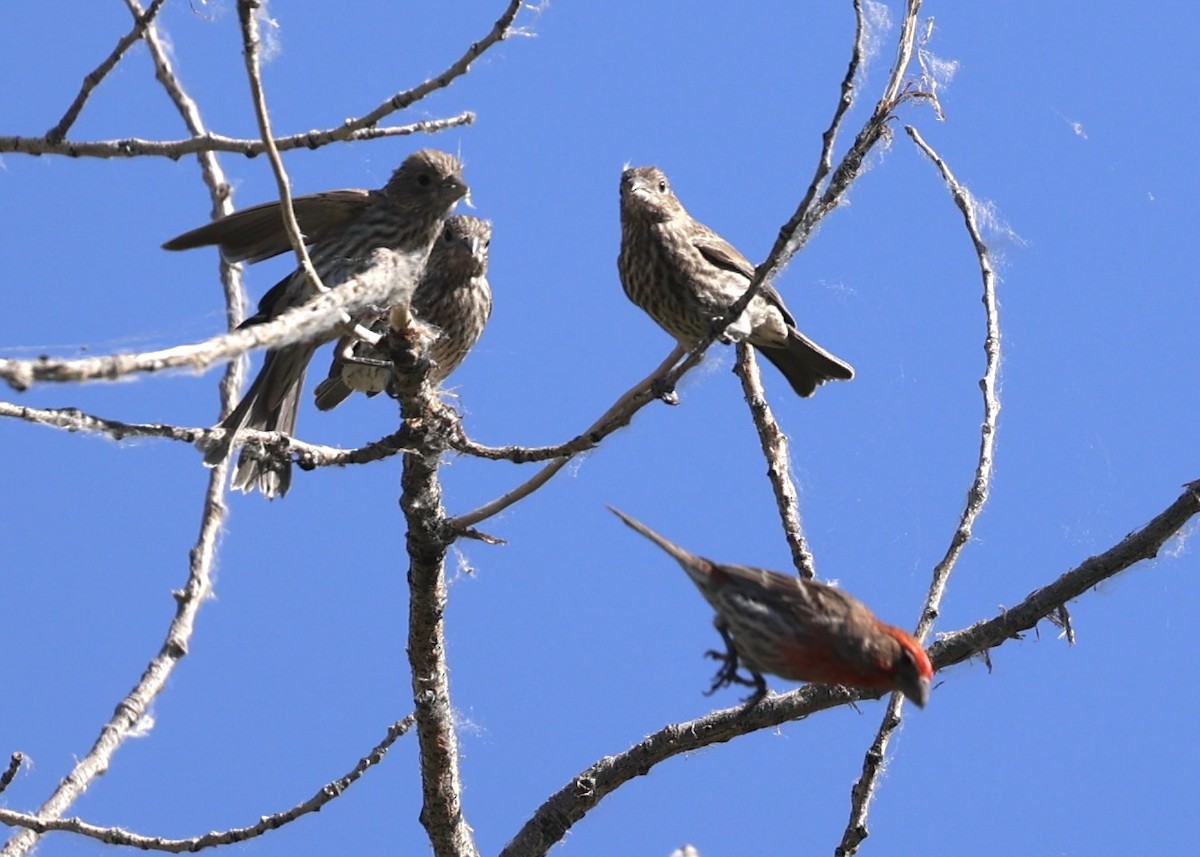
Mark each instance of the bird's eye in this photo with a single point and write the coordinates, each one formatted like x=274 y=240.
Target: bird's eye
x=662 y=185
x=487 y=244
x=423 y=180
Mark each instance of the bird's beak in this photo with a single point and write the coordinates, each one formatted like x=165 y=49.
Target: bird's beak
x=476 y=246
x=917 y=690
x=638 y=186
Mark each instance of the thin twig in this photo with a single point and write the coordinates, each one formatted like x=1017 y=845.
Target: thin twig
x=774 y=446
x=550 y=823
x=130 y=711
x=316 y=319
x=94 y=78
x=795 y=233
x=618 y=415
x=977 y=495
x=1142 y=544
x=500 y=31
x=199 y=583
x=516 y=454
x=10 y=773
x=309 y=456
x=213 y=176
x=845 y=102
x=267 y=823
x=248 y=17
x=136 y=147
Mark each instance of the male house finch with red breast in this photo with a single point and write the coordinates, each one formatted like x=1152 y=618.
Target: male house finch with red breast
x=343 y=229
x=453 y=296
x=686 y=277
x=799 y=629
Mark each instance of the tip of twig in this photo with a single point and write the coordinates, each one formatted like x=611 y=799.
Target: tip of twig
x=472 y=533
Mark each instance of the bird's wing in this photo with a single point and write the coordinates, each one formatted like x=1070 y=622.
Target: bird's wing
x=257 y=233
x=720 y=252
x=724 y=255
x=808 y=600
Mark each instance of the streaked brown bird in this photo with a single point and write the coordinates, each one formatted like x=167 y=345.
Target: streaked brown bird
x=342 y=228
x=799 y=630
x=686 y=277
x=453 y=296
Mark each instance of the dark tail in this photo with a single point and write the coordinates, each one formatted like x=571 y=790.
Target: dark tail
x=269 y=405
x=805 y=364
x=331 y=392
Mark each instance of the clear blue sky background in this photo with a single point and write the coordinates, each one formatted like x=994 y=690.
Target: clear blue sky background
x=1076 y=121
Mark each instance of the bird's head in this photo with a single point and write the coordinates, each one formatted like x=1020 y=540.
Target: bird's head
x=912 y=673
x=463 y=245
x=646 y=194
x=429 y=178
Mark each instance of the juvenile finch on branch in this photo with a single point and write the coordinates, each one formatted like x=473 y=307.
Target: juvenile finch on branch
x=686 y=277
x=799 y=630
x=453 y=296
x=342 y=228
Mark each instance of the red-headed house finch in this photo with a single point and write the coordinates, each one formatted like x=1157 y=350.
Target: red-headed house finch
x=686 y=277
x=799 y=630
x=453 y=296
x=343 y=228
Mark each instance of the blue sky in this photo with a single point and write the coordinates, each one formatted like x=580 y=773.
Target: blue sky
x=1072 y=121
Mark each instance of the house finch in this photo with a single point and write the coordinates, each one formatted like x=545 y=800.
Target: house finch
x=685 y=276
x=343 y=228
x=799 y=629
x=453 y=296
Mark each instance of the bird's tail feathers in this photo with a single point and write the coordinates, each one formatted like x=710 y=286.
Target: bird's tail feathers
x=269 y=405
x=691 y=563
x=805 y=364
x=331 y=392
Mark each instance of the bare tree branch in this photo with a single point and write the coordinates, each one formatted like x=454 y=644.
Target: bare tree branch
x=361 y=128
x=248 y=17
x=775 y=449
x=845 y=102
x=202 y=555
x=93 y=79
x=794 y=234
x=633 y=400
x=584 y=792
x=133 y=707
x=14 y=765
x=318 y=318
x=977 y=495
x=1143 y=544
x=134 y=147
x=274 y=821
x=428 y=540
x=309 y=456
x=501 y=30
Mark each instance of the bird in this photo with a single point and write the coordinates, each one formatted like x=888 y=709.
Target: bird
x=453 y=295
x=799 y=630
x=686 y=277
x=343 y=229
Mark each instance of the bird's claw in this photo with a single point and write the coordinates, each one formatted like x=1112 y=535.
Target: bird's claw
x=661 y=389
x=373 y=362
x=728 y=674
x=727 y=333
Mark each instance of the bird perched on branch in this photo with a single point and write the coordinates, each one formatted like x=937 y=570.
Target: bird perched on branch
x=453 y=296
x=686 y=277
x=798 y=629
x=343 y=229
